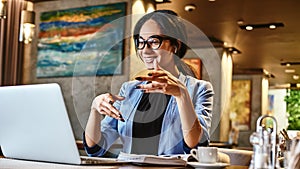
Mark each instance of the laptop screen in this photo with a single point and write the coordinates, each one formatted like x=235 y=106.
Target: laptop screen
x=34 y=124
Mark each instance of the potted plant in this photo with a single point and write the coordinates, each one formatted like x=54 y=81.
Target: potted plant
x=293 y=108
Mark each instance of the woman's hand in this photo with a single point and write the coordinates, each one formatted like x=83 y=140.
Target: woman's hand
x=103 y=104
x=161 y=81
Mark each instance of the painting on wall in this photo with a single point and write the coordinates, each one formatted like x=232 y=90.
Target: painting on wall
x=240 y=104
x=85 y=41
x=196 y=65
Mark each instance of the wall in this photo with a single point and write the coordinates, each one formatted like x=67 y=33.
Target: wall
x=264 y=95
x=279 y=109
x=78 y=91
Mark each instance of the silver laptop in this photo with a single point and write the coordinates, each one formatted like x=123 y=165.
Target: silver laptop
x=34 y=125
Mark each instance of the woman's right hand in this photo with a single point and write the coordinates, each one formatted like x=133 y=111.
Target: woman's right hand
x=103 y=104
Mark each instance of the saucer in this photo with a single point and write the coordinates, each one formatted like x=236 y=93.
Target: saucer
x=208 y=165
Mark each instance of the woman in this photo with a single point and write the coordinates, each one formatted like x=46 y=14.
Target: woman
x=167 y=111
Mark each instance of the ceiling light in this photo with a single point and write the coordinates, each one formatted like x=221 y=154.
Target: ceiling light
x=267 y=74
x=27 y=26
x=272 y=26
x=257 y=26
x=289 y=70
x=240 y=22
x=189 y=7
x=289 y=63
x=233 y=50
x=282 y=86
x=295 y=77
x=162 y=1
x=3 y=8
x=249 y=28
x=211 y=0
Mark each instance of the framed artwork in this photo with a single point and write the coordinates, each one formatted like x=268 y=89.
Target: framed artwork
x=196 y=65
x=270 y=104
x=85 y=41
x=240 y=104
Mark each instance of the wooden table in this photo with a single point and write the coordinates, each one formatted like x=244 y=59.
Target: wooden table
x=17 y=164
x=221 y=144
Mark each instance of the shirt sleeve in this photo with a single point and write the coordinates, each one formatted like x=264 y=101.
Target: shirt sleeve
x=109 y=133
x=91 y=151
x=203 y=108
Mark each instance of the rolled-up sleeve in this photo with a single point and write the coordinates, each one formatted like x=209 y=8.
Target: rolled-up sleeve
x=203 y=104
x=109 y=133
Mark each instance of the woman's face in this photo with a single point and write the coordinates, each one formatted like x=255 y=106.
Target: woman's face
x=163 y=55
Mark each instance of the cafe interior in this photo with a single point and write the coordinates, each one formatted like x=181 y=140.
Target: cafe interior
x=247 y=49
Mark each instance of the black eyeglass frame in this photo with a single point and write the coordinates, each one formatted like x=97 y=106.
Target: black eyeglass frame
x=137 y=40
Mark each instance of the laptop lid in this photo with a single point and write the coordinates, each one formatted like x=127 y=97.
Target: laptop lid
x=34 y=124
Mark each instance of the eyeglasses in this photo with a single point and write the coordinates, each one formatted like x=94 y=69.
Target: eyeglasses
x=153 y=42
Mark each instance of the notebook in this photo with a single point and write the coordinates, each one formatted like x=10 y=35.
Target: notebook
x=34 y=125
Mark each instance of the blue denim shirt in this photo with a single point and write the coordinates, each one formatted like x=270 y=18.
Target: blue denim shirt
x=171 y=137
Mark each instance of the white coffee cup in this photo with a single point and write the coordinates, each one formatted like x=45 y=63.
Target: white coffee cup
x=205 y=154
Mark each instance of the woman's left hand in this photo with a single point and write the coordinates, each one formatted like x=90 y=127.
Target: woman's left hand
x=161 y=81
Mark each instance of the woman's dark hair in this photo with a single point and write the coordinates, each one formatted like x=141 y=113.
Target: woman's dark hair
x=172 y=26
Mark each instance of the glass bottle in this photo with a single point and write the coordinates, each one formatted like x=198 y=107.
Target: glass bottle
x=261 y=150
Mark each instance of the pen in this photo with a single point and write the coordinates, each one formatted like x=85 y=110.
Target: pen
x=120 y=116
